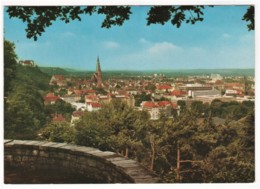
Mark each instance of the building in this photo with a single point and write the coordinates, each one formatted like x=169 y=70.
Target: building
x=93 y=106
x=164 y=88
x=58 y=118
x=29 y=63
x=194 y=87
x=156 y=108
x=76 y=115
x=97 y=77
x=216 y=77
x=58 y=80
x=208 y=93
x=50 y=98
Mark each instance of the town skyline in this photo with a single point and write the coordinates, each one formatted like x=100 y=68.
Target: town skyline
x=220 y=41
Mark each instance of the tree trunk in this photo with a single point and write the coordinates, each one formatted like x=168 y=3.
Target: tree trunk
x=126 y=152
x=152 y=141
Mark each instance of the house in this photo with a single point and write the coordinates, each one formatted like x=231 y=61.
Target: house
x=104 y=99
x=129 y=99
x=58 y=118
x=230 y=92
x=91 y=98
x=152 y=108
x=155 y=108
x=164 y=88
x=50 y=98
x=76 y=115
x=58 y=80
x=93 y=106
x=178 y=93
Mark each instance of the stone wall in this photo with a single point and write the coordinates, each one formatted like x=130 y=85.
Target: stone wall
x=90 y=163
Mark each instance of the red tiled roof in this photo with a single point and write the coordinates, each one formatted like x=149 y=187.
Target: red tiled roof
x=178 y=93
x=59 y=77
x=150 y=104
x=51 y=97
x=91 y=97
x=90 y=91
x=160 y=87
x=77 y=113
x=234 y=84
x=96 y=105
x=218 y=82
x=58 y=117
x=165 y=103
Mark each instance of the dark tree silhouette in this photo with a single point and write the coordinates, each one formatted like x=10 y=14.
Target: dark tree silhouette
x=38 y=18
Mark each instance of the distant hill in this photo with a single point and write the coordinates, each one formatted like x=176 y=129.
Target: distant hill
x=54 y=71
x=65 y=71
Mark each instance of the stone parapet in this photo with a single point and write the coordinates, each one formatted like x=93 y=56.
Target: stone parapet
x=86 y=162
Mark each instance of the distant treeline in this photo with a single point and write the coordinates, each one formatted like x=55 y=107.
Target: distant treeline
x=167 y=73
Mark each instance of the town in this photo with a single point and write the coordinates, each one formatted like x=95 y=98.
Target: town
x=154 y=93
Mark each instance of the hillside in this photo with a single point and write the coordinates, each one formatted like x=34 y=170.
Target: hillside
x=25 y=103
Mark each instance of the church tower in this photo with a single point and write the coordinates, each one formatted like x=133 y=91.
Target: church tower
x=99 y=74
x=98 y=69
x=97 y=77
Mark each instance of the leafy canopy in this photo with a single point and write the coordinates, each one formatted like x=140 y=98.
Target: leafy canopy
x=39 y=18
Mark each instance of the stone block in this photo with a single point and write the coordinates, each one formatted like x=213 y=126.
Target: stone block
x=35 y=152
x=43 y=154
x=8 y=158
x=91 y=163
x=17 y=158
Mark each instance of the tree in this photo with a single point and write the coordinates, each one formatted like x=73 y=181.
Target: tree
x=39 y=18
x=114 y=127
x=139 y=98
x=60 y=107
x=58 y=132
x=9 y=65
x=23 y=108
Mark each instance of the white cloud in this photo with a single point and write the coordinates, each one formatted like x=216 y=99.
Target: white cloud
x=163 y=47
x=144 y=41
x=67 y=34
x=110 y=44
x=225 y=36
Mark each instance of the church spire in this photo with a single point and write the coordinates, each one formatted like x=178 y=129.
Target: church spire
x=98 y=69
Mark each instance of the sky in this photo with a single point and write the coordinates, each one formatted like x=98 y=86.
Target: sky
x=222 y=40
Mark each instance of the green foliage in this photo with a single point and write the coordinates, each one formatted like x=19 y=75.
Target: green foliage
x=60 y=107
x=58 y=132
x=39 y=18
x=200 y=108
x=111 y=128
x=249 y=16
x=151 y=87
x=139 y=98
x=175 y=14
x=24 y=108
x=9 y=65
x=231 y=110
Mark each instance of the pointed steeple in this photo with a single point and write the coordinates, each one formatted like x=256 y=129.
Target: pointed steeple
x=98 y=69
x=98 y=74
